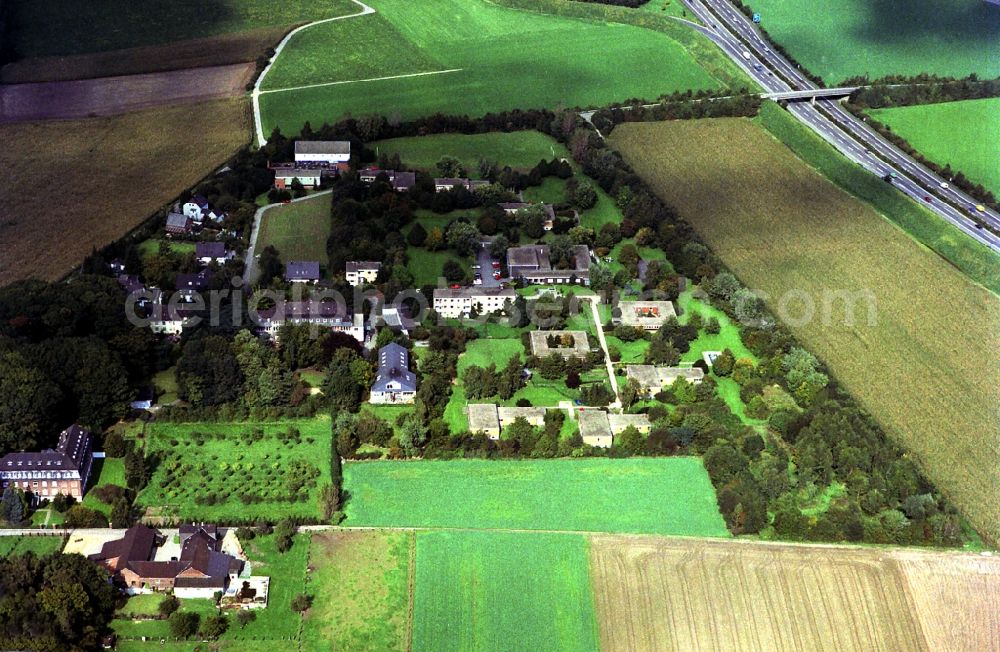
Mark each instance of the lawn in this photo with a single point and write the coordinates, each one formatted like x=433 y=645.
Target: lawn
x=483 y=57
x=151 y=247
x=918 y=366
x=882 y=38
x=278 y=473
x=656 y=495
x=965 y=135
x=299 y=230
x=360 y=587
x=428 y=266
x=68 y=27
x=166 y=386
x=518 y=149
x=105 y=471
x=975 y=259
x=727 y=338
x=503 y=591
x=148 y=157
x=40 y=545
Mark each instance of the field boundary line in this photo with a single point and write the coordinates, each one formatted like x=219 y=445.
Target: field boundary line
x=255 y=95
x=359 y=81
x=411 y=589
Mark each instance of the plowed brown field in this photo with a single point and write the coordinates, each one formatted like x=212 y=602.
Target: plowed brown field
x=662 y=594
x=79 y=184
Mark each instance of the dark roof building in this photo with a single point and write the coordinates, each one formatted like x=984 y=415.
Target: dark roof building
x=178 y=223
x=302 y=271
x=44 y=474
x=210 y=251
x=136 y=546
x=395 y=383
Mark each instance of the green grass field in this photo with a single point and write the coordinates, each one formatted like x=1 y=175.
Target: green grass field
x=917 y=366
x=299 y=230
x=499 y=58
x=58 y=27
x=976 y=260
x=41 y=545
x=166 y=385
x=228 y=465
x=503 y=591
x=856 y=37
x=360 y=589
x=654 y=495
x=105 y=472
x=965 y=135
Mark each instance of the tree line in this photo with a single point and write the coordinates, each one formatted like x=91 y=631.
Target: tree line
x=743 y=105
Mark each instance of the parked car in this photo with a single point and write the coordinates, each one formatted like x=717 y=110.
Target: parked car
x=496 y=276
x=496 y=264
x=928 y=199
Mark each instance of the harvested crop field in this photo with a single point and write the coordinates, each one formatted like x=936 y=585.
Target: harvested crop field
x=926 y=367
x=75 y=185
x=191 y=53
x=683 y=594
x=114 y=95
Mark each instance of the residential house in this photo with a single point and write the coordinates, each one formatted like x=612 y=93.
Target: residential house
x=599 y=428
x=454 y=303
x=178 y=224
x=531 y=264
x=302 y=271
x=653 y=379
x=578 y=346
x=63 y=470
x=165 y=320
x=200 y=571
x=309 y=178
x=646 y=315
x=395 y=383
x=483 y=417
x=400 y=181
x=446 y=184
x=362 y=272
x=190 y=285
x=398 y=319
x=329 y=153
x=535 y=416
x=207 y=253
x=324 y=314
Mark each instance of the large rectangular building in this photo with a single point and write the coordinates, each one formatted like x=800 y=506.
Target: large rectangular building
x=459 y=302
x=647 y=315
x=325 y=314
x=64 y=470
x=531 y=264
x=653 y=379
x=322 y=152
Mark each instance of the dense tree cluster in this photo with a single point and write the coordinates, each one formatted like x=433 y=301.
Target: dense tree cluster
x=743 y=104
x=67 y=354
x=921 y=89
x=53 y=603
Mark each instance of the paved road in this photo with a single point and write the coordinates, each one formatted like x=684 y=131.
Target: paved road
x=834 y=123
x=255 y=95
x=604 y=345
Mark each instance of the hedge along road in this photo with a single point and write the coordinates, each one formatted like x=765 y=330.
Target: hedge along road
x=255 y=95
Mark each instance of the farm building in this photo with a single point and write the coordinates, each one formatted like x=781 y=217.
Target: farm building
x=459 y=302
x=571 y=343
x=653 y=379
x=647 y=315
x=362 y=272
x=302 y=271
x=395 y=383
x=63 y=470
x=619 y=422
x=328 y=153
x=309 y=178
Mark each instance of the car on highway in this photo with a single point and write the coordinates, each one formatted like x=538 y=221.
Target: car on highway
x=980 y=208
x=928 y=199
x=944 y=185
x=758 y=67
x=746 y=55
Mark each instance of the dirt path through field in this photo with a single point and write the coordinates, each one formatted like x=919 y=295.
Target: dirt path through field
x=107 y=96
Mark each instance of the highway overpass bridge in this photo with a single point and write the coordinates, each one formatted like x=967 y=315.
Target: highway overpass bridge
x=810 y=94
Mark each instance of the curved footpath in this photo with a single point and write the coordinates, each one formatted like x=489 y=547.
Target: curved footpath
x=255 y=95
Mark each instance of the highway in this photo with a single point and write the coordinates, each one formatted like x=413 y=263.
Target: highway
x=725 y=25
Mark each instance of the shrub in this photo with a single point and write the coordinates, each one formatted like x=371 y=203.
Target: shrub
x=168 y=605
x=301 y=602
x=184 y=624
